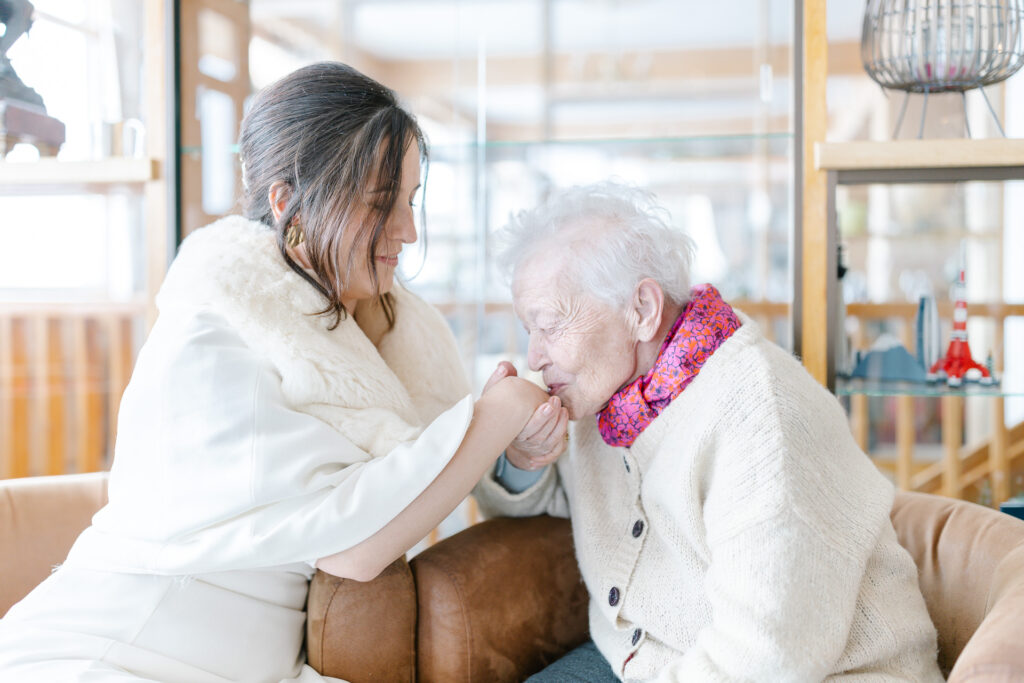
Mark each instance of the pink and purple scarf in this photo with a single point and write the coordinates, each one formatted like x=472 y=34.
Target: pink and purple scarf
x=704 y=324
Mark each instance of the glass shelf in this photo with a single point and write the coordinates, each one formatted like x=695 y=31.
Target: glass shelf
x=702 y=146
x=846 y=386
x=691 y=146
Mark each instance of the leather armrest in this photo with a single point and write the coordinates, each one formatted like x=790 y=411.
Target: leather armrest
x=970 y=563
x=498 y=601
x=993 y=654
x=363 y=631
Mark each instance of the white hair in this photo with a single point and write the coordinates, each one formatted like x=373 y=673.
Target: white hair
x=616 y=234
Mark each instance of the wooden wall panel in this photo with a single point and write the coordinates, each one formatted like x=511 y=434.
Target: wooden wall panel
x=63 y=371
x=14 y=383
x=88 y=388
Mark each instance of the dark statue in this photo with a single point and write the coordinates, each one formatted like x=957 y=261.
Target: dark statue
x=23 y=117
x=16 y=16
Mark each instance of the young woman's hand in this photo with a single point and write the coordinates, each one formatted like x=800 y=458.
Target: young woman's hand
x=504 y=369
x=544 y=437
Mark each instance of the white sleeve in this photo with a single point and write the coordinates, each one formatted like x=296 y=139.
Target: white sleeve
x=345 y=495
x=214 y=471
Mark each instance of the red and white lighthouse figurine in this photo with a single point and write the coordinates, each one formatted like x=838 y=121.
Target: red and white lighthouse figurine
x=954 y=365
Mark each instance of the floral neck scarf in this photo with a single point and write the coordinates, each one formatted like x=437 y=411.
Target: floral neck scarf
x=704 y=324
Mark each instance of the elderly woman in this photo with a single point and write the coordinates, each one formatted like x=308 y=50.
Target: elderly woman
x=726 y=524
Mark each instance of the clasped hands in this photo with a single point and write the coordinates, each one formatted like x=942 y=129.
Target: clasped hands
x=544 y=437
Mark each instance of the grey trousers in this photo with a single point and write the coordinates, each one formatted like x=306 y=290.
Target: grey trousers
x=585 y=664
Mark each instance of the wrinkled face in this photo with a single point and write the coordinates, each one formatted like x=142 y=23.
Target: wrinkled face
x=583 y=347
x=399 y=230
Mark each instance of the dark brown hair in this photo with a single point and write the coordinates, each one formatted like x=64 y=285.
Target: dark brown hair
x=333 y=135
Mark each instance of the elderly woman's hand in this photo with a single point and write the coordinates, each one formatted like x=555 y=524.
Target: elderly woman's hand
x=543 y=438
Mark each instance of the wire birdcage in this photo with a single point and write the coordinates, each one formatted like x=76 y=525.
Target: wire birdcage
x=934 y=46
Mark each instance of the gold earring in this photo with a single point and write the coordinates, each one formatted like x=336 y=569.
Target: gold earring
x=294 y=236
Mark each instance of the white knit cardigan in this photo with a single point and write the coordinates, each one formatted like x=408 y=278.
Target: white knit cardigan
x=743 y=537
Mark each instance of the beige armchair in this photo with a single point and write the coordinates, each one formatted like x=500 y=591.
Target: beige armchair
x=503 y=598
x=40 y=517
x=970 y=561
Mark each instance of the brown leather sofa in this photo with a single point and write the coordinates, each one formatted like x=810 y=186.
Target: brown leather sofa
x=503 y=598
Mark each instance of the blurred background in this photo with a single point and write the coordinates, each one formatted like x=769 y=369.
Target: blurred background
x=694 y=101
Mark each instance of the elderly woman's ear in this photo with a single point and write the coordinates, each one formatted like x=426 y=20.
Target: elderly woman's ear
x=646 y=309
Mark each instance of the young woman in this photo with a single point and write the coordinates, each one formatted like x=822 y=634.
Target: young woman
x=292 y=408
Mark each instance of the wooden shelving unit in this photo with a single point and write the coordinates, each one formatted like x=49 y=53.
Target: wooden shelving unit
x=822 y=166
x=920 y=155
x=75 y=176
x=896 y=162
x=922 y=161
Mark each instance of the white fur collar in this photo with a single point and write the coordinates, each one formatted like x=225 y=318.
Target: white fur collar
x=376 y=396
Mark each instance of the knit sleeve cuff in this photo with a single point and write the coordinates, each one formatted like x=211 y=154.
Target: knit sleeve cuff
x=513 y=479
x=543 y=496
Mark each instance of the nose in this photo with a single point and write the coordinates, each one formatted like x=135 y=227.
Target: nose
x=403 y=225
x=536 y=356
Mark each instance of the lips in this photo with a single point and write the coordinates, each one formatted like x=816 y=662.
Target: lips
x=389 y=260
x=553 y=389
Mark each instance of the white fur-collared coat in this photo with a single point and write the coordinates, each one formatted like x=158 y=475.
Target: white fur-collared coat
x=252 y=441
x=218 y=476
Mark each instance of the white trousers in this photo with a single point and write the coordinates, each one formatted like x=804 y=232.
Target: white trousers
x=103 y=627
